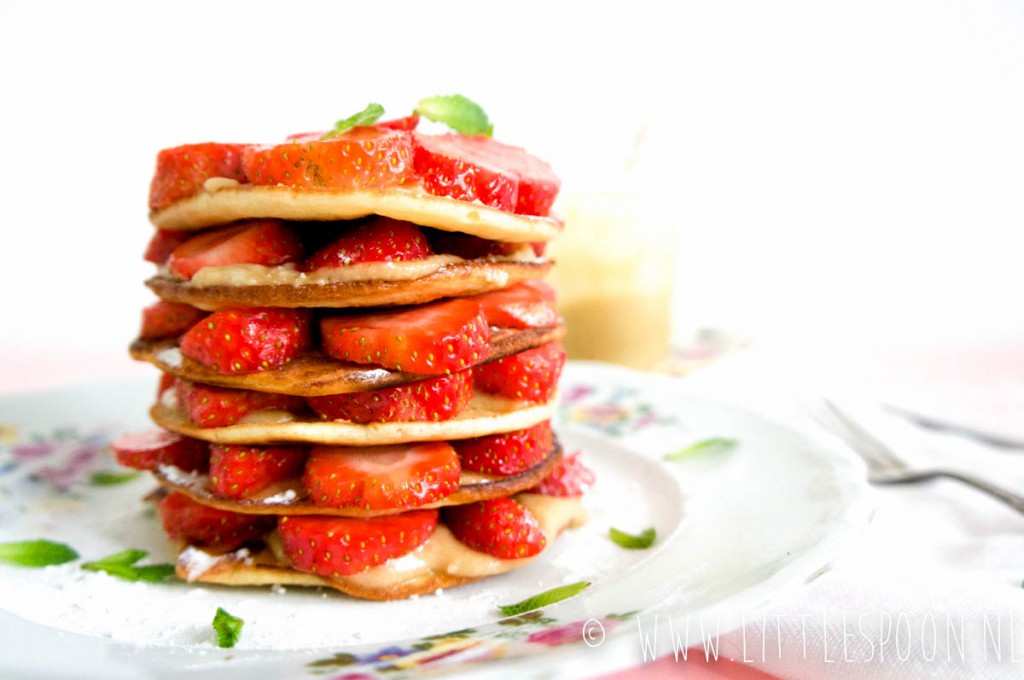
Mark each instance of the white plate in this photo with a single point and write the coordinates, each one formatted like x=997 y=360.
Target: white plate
x=734 y=529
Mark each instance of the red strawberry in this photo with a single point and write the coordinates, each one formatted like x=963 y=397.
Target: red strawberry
x=505 y=454
x=439 y=337
x=530 y=304
x=429 y=400
x=340 y=546
x=168 y=320
x=243 y=471
x=569 y=478
x=362 y=158
x=500 y=527
x=406 y=123
x=201 y=525
x=167 y=381
x=379 y=240
x=266 y=242
x=381 y=477
x=150 y=449
x=163 y=243
x=531 y=375
x=467 y=246
x=209 y=406
x=479 y=168
x=248 y=340
x=182 y=170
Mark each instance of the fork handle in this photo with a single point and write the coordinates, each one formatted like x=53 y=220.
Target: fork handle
x=1015 y=501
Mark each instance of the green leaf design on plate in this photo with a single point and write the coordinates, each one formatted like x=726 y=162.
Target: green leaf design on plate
x=713 y=445
x=104 y=478
x=228 y=628
x=38 y=553
x=457 y=112
x=122 y=565
x=641 y=541
x=543 y=599
x=367 y=116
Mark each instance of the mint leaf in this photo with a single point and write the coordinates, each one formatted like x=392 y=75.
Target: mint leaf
x=122 y=565
x=543 y=599
x=713 y=445
x=40 y=553
x=639 y=542
x=457 y=112
x=103 y=478
x=228 y=627
x=367 y=116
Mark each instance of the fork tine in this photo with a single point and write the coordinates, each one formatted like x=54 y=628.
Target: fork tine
x=872 y=449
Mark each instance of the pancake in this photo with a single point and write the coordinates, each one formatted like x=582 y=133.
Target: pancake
x=315 y=374
x=484 y=415
x=223 y=200
x=456 y=279
x=473 y=487
x=441 y=562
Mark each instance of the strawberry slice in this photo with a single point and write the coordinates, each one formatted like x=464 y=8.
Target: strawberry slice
x=340 y=546
x=530 y=304
x=208 y=406
x=248 y=340
x=200 y=525
x=500 y=527
x=168 y=320
x=265 y=242
x=505 y=454
x=430 y=400
x=163 y=243
x=181 y=171
x=150 y=449
x=479 y=168
x=167 y=381
x=381 y=477
x=362 y=158
x=467 y=246
x=244 y=471
x=378 y=240
x=569 y=478
x=439 y=337
x=531 y=375
x=407 y=123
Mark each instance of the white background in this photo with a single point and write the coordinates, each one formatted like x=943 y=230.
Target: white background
x=849 y=168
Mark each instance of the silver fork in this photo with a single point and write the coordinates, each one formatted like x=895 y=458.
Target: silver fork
x=884 y=467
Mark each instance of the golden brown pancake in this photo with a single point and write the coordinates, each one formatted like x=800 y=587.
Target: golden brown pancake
x=316 y=375
x=467 y=277
x=223 y=201
x=473 y=487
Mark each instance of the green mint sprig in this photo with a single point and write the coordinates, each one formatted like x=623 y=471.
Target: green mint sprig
x=122 y=565
x=457 y=112
x=367 y=116
x=227 y=627
x=713 y=445
x=38 y=553
x=641 y=541
x=104 y=478
x=543 y=599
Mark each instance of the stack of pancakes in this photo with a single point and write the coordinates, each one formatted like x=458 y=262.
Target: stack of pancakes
x=281 y=412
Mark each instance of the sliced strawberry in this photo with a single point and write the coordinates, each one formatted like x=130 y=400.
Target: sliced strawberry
x=569 y=478
x=439 y=337
x=538 y=183
x=248 y=340
x=266 y=242
x=407 y=123
x=505 y=454
x=340 y=546
x=163 y=243
x=500 y=527
x=243 y=471
x=150 y=449
x=530 y=304
x=381 y=239
x=168 y=320
x=467 y=246
x=362 y=158
x=200 y=525
x=181 y=171
x=167 y=381
x=430 y=400
x=381 y=477
x=531 y=375
x=209 y=406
